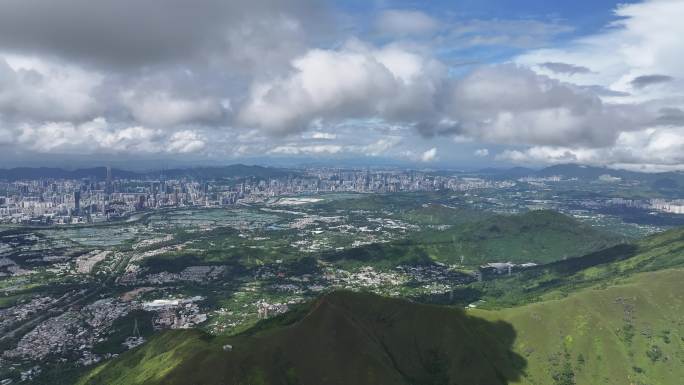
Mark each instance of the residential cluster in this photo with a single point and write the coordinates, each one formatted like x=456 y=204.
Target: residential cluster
x=674 y=206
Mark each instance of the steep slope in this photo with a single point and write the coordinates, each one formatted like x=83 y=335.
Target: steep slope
x=342 y=338
x=537 y=236
x=631 y=333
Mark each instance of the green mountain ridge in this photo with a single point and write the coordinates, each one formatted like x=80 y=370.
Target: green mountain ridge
x=628 y=333
x=341 y=338
x=541 y=236
x=605 y=267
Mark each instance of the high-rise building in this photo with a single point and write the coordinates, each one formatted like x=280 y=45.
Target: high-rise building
x=77 y=202
x=108 y=183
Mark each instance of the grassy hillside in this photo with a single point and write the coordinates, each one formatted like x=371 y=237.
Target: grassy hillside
x=537 y=236
x=631 y=333
x=604 y=268
x=342 y=338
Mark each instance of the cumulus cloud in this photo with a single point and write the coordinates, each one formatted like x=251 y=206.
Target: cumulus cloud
x=41 y=91
x=406 y=22
x=636 y=62
x=184 y=142
x=99 y=136
x=294 y=149
x=506 y=104
x=281 y=78
x=323 y=135
x=429 y=155
x=640 y=42
x=381 y=146
x=157 y=64
x=356 y=81
x=162 y=109
x=652 y=149
x=374 y=148
x=514 y=105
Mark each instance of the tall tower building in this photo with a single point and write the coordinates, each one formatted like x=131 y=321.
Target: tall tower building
x=77 y=202
x=108 y=186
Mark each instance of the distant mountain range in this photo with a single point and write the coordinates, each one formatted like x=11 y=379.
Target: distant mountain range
x=576 y=171
x=671 y=182
x=100 y=173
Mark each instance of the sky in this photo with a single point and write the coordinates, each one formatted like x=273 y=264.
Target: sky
x=439 y=84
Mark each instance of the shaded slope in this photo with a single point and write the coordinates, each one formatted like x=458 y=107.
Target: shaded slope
x=344 y=338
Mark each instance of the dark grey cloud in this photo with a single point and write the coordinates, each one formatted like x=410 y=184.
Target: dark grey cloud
x=565 y=68
x=158 y=63
x=671 y=116
x=604 y=91
x=134 y=32
x=514 y=105
x=429 y=129
x=647 y=80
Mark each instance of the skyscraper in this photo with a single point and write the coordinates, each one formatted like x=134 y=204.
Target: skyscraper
x=77 y=202
x=108 y=186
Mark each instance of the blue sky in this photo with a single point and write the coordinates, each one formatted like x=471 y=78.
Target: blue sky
x=457 y=84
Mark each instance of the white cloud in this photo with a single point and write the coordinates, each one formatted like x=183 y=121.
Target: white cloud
x=429 y=155
x=185 y=141
x=31 y=88
x=293 y=149
x=162 y=109
x=482 y=153
x=513 y=105
x=356 y=81
x=98 y=136
x=378 y=147
x=638 y=60
x=643 y=41
x=323 y=135
x=381 y=146
x=652 y=149
x=405 y=22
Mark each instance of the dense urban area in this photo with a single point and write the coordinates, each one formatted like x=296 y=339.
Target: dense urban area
x=99 y=198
